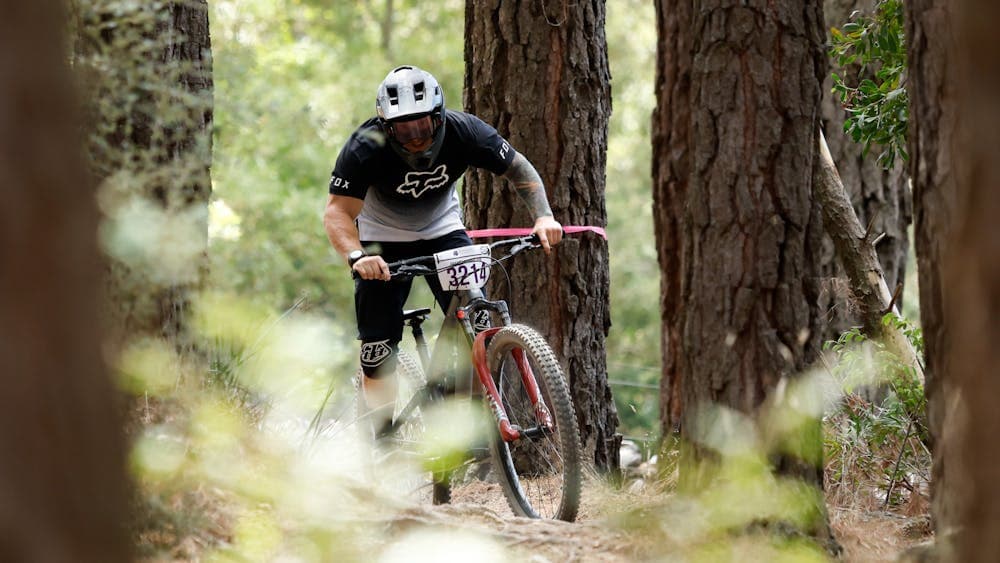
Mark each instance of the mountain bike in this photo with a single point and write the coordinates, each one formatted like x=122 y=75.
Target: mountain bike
x=533 y=437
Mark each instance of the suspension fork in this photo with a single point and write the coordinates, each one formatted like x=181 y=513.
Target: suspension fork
x=510 y=432
x=542 y=414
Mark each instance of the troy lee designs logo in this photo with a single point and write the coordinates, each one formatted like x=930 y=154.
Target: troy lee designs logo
x=417 y=183
x=374 y=353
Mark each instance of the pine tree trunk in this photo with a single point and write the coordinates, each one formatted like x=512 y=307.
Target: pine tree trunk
x=670 y=132
x=881 y=198
x=751 y=230
x=973 y=278
x=539 y=73
x=150 y=86
x=62 y=457
x=933 y=111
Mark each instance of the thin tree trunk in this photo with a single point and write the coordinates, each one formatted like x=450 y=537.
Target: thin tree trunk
x=933 y=110
x=539 y=73
x=387 y=28
x=62 y=458
x=856 y=249
x=670 y=131
x=973 y=278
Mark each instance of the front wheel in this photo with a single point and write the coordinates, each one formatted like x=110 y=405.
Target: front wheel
x=540 y=475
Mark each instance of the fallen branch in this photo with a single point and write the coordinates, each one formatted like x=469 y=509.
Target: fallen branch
x=856 y=251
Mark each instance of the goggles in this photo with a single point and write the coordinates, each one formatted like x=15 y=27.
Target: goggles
x=413 y=130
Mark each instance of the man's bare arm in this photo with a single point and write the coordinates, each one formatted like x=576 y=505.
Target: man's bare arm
x=528 y=185
x=338 y=221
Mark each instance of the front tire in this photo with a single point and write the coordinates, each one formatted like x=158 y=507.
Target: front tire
x=541 y=477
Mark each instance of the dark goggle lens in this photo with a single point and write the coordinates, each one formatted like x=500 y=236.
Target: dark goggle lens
x=414 y=130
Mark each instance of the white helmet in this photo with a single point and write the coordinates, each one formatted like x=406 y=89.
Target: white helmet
x=407 y=95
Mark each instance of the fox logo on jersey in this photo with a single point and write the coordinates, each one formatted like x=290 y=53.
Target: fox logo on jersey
x=419 y=182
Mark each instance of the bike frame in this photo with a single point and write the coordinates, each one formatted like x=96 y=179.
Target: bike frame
x=462 y=309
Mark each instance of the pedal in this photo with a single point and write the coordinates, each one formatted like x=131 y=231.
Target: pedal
x=480 y=453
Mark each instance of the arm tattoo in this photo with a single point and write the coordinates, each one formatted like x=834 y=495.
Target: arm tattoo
x=528 y=185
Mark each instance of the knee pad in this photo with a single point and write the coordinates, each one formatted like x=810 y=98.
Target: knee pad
x=378 y=358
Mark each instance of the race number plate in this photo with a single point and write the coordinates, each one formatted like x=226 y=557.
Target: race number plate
x=467 y=267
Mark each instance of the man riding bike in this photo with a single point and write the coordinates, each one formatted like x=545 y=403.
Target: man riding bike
x=392 y=191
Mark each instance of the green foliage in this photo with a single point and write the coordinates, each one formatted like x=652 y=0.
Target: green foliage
x=872 y=53
x=634 y=340
x=289 y=90
x=222 y=434
x=288 y=93
x=730 y=495
x=858 y=357
x=877 y=446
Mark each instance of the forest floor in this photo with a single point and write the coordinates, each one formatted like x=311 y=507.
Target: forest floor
x=639 y=520
x=614 y=525
x=607 y=532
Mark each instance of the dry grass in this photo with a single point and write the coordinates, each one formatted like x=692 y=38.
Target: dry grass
x=636 y=520
x=869 y=537
x=870 y=523
x=615 y=525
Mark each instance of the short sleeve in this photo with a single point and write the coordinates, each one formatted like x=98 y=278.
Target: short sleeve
x=348 y=177
x=487 y=149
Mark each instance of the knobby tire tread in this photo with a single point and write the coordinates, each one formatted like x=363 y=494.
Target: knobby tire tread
x=548 y=373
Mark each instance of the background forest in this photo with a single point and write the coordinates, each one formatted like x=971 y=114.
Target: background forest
x=762 y=169
x=293 y=79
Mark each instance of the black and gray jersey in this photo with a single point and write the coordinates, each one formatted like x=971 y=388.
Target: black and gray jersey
x=402 y=204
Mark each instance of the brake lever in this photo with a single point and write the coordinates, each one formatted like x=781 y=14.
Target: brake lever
x=525 y=243
x=411 y=271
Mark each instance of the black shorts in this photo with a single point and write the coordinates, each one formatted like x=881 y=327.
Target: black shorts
x=379 y=304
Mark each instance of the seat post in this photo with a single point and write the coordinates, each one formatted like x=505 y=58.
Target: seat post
x=415 y=320
x=418 y=337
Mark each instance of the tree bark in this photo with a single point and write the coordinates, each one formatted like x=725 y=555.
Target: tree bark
x=149 y=80
x=933 y=112
x=751 y=227
x=881 y=198
x=671 y=168
x=539 y=73
x=972 y=304
x=62 y=475
x=856 y=249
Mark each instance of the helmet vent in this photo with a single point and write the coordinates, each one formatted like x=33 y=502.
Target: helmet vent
x=418 y=91
x=393 y=93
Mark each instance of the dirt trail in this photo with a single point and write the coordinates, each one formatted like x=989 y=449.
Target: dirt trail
x=525 y=539
x=866 y=536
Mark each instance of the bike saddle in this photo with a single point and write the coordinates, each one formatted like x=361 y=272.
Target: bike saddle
x=421 y=314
